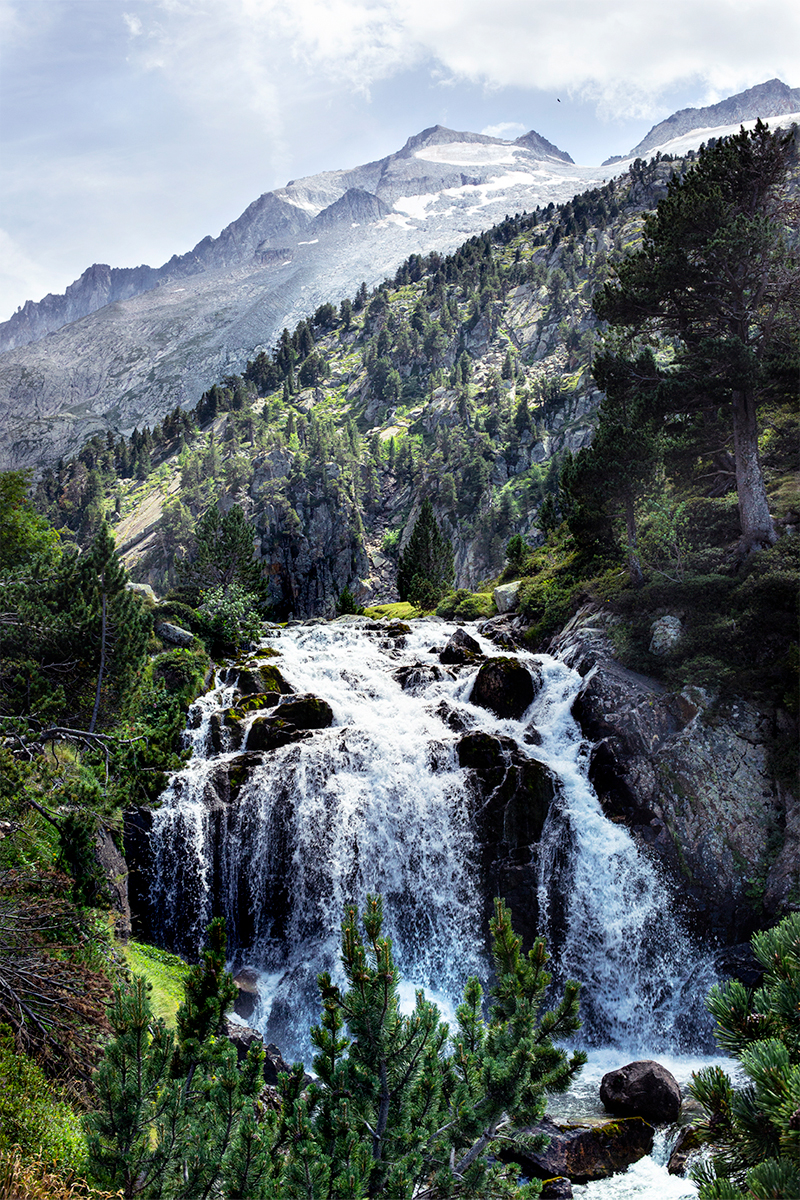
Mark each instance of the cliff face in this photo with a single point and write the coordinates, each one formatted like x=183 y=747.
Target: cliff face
x=692 y=781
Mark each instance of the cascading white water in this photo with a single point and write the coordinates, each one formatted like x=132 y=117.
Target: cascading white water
x=379 y=803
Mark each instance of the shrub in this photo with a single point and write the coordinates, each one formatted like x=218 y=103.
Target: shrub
x=31 y=1117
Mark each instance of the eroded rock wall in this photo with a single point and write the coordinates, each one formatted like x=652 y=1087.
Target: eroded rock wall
x=691 y=779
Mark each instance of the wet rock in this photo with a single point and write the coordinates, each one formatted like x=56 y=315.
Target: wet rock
x=246 y=993
x=293 y=718
x=460 y=648
x=642 y=1089
x=691 y=780
x=739 y=962
x=504 y=686
x=416 y=677
x=254 y=678
x=686 y=1143
x=557 y=1189
x=505 y=631
x=584 y=1152
x=511 y=796
x=242 y=1038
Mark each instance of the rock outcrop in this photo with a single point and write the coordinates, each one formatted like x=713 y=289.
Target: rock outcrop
x=691 y=780
x=584 y=1151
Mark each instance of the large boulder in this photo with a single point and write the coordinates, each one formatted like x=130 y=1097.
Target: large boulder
x=254 y=678
x=585 y=1151
x=460 y=648
x=293 y=718
x=511 y=795
x=642 y=1089
x=173 y=634
x=505 y=686
x=506 y=597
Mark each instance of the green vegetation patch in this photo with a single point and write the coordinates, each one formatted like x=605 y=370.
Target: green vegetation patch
x=402 y=611
x=30 y=1115
x=166 y=974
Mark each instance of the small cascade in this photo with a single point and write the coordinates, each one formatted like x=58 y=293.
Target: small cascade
x=606 y=911
x=279 y=843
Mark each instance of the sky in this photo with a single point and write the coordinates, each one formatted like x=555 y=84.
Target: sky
x=131 y=129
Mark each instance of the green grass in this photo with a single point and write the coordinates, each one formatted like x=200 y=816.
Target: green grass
x=165 y=972
x=402 y=611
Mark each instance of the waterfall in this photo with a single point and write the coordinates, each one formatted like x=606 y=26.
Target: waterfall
x=379 y=803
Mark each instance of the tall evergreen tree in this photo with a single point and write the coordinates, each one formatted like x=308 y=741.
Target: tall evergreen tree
x=223 y=552
x=715 y=274
x=425 y=571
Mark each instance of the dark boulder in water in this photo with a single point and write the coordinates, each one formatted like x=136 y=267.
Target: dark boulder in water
x=642 y=1089
x=504 y=686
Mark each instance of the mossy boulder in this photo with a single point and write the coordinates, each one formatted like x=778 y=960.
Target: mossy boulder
x=505 y=686
x=460 y=648
x=291 y=721
x=256 y=678
x=590 y=1150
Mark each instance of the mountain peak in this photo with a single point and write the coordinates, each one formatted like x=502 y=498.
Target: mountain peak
x=773 y=98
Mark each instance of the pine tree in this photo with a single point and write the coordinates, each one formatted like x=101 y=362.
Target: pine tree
x=223 y=552
x=714 y=273
x=397 y=1112
x=178 y=1121
x=425 y=571
x=754 y=1131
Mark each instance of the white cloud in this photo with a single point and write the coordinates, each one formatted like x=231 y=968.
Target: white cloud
x=506 y=129
x=622 y=54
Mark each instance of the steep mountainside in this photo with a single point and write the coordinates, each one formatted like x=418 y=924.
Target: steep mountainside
x=125 y=346
x=128 y=362
x=465 y=377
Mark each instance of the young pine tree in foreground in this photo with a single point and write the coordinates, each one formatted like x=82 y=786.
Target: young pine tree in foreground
x=402 y=1108
x=754 y=1132
x=399 y=1107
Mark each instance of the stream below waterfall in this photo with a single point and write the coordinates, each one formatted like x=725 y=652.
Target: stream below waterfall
x=379 y=803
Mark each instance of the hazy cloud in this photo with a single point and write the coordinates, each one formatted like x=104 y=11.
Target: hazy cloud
x=506 y=129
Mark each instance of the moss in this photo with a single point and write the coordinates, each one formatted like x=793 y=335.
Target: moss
x=166 y=974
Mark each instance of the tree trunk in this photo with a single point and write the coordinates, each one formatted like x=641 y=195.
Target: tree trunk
x=634 y=566
x=756 y=523
x=102 y=666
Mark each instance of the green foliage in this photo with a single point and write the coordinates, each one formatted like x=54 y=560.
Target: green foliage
x=465 y=605
x=231 y=617
x=165 y=975
x=175 y=1117
x=25 y=536
x=347 y=603
x=183 y=672
x=715 y=273
x=425 y=569
x=222 y=553
x=31 y=1117
x=754 y=1132
x=395 y=1110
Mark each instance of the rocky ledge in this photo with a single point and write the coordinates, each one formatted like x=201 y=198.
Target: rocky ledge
x=690 y=778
